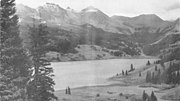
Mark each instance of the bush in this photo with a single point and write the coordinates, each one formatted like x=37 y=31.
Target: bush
x=121 y=94
x=98 y=95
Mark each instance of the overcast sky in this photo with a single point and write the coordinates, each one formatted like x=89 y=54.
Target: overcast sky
x=166 y=9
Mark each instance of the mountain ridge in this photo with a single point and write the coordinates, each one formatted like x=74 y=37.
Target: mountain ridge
x=55 y=14
x=98 y=28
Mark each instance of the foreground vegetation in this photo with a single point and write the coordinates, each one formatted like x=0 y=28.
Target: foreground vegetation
x=24 y=73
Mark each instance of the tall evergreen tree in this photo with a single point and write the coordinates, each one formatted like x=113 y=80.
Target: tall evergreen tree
x=156 y=68
x=41 y=85
x=153 y=79
x=144 y=96
x=148 y=77
x=132 y=67
x=122 y=72
x=178 y=77
x=153 y=97
x=148 y=63
x=14 y=61
x=126 y=72
x=174 y=77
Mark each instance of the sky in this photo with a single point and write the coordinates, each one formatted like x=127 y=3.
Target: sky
x=166 y=9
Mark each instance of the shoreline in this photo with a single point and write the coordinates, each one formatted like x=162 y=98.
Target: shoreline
x=111 y=80
x=133 y=57
x=125 y=88
x=101 y=85
x=111 y=92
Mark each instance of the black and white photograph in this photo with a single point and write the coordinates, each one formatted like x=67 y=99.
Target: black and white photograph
x=89 y=50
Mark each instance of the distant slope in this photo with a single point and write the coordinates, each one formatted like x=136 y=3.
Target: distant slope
x=170 y=39
x=146 y=32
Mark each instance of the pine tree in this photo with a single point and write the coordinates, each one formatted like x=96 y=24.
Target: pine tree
x=153 y=97
x=159 y=80
x=14 y=61
x=178 y=77
x=66 y=91
x=148 y=63
x=156 y=68
x=69 y=91
x=169 y=75
x=144 y=96
x=148 y=77
x=153 y=79
x=131 y=67
x=174 y=77
x=126 y=72
x=41 y=86
x=122 y=72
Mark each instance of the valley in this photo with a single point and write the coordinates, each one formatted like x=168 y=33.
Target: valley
x=116 y=36
x=125 y=50
x=93 y=45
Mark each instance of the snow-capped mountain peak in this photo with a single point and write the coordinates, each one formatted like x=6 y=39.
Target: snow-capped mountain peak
x=90 y=9
x=52 y=7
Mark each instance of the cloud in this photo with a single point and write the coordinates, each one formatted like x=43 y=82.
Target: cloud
x=173 y=7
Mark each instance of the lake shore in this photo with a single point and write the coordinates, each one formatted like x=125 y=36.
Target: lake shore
x=113 y=92
x=115 y=57
x=90 y=73
x=122 y=88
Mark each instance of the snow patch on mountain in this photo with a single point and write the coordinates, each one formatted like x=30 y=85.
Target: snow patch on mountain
x=90 y=9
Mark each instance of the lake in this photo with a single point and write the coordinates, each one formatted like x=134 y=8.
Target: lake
x=90 y=73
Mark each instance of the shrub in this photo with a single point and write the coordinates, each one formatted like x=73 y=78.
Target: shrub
x=98 y=95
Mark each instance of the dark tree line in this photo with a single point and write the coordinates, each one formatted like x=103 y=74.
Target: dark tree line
x=146 y=97
x=157 y=62
x=170 y=76
x=126 y=72
x=14 y=60
x=173 y=74
x=25 y=75
x=153 y=77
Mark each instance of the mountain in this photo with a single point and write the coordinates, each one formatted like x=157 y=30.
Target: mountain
x=26 y=13
x=145 y=20
x=53 y=14
x=149 y=20
x=92 y=26
x=167 y=42
x=97 y=18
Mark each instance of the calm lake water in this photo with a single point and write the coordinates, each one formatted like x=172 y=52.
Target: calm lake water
x=90 y=73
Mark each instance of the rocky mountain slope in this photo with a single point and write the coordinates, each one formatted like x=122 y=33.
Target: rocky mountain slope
x=130 y=35
x=167 y=42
